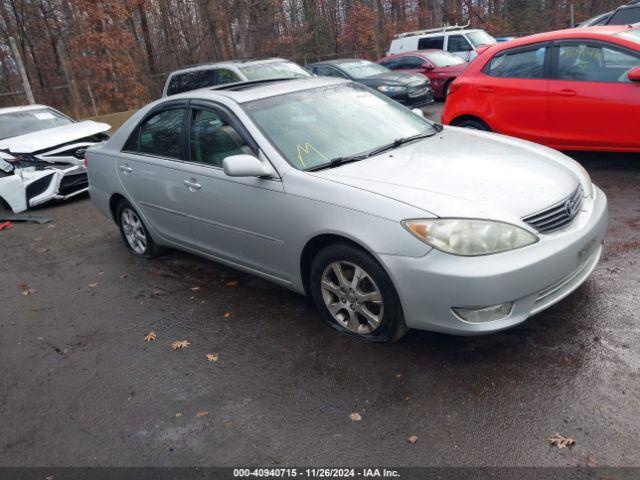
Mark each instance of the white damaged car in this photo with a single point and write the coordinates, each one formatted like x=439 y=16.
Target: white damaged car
x=42 y=155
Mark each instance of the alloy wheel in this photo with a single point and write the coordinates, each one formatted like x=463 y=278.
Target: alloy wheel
x=134 y=231
x=352 y=297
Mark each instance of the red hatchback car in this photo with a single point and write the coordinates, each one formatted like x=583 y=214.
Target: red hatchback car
x=573 y=89
x=440 y=67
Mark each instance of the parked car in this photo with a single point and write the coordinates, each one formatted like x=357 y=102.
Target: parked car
x=576 y=89
x=385 y=219
x=597 y=20
x=42 y=155
x=211 y=74
x=441 y=68
x=409 y=89
x=504 y=39
x=455 y=39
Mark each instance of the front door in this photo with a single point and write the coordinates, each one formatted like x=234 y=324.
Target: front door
x=234 y=218
x=592 y=102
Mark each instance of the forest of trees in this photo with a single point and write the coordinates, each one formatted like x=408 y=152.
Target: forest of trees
x=87 y=56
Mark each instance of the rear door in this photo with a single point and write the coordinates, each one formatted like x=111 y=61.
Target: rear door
x=512 y=92
x=150 y=171
x=592 y=102
x=239 y=219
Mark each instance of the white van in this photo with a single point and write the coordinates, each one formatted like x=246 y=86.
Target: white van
x=455 y=39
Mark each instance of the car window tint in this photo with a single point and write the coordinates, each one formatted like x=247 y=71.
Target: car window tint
x=435 y=43
x=411 y=62
x=528 y=64
x=457 y=43
x=625 y=16
x=325 y=71
x=160 y=134
x=594 y=63
x=392 y=63
x=226 y=76
x=213 y=139
x=183 y=82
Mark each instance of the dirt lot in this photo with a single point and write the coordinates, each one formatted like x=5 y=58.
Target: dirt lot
x=80 y=386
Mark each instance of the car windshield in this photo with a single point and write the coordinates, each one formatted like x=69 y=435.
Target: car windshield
x=631 y=35
x=480 y=38
x=444 y=59
x=273 y=70
x=363 y=68
x=22 y=122
x=313 y=127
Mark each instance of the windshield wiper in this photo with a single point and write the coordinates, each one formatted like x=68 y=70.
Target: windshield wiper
x=376 y=151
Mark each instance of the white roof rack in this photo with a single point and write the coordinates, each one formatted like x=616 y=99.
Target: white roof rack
x=447 y=28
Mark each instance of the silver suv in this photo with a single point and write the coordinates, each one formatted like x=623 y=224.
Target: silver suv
x=211 y=74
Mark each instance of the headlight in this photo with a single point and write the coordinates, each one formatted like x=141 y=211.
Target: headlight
x=467 y=237
x=391 y=88
x=587 y=178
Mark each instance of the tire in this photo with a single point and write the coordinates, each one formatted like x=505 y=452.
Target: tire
x=140 y=246
x=355 y=308
x=445 y=90
x=473 y=124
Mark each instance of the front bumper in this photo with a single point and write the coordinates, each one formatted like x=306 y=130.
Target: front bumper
x=532 y=278
x=425 y=98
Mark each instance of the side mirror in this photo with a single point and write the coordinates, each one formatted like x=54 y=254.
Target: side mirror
x=418 y=112
x=634 y=74
x=428 y=66
x=246 y=166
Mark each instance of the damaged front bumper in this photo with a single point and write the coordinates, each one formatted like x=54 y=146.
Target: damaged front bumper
x=27 y=181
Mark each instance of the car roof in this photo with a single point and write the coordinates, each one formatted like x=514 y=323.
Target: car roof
x=419 y=53
x=601 y=32
x=444 y=32
x=339 y=61
x=243 y=92
x=21 y=108
x=228 y=63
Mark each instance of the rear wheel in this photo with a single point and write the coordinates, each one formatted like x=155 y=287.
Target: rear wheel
x=134 y=233
x=355 y=295
x=445 y=90
x=473 y=124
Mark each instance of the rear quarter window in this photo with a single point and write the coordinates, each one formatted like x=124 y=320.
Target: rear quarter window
x=429 y=43
x=521 y=64
x=183 y=82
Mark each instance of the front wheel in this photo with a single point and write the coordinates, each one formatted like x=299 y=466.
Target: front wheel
x=473 y=124
x=355 y=295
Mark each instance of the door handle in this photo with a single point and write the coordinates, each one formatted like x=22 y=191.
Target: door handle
x=565 y=92
x=192 y=185
x=486 y=89
x=125 y=169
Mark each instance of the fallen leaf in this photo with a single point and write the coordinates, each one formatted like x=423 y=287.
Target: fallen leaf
x=26 y=290
x=179 y=344
x=212 y=357
x=124 y=275
x=227 y=423
x=101 y=273
x=150 y=337
x=232 y=283
x=93 y=285
x=227 y=314
x=398 y=375
x=202 y=413
x=355 y=416
x=591 y=461
x=178 y=415
x=561 y=441
x=412 y=439
x=194 y=289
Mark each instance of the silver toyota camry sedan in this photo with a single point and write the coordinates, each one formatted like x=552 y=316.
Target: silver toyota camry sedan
x=386 y=220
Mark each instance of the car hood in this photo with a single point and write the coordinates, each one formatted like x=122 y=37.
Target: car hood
x=464 y=173
x=53 y=137
x=395 y=78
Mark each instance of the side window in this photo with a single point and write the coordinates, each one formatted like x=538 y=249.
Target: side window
x=325 y=71
x=226 y=76
x=429 y=43
x=594 y=63
x=392 y=63
x=457 y=43
x=527 y=64
x=213 y=138
x=160 y=134
x=625 y=16
x=411 y=62
x=193 y=80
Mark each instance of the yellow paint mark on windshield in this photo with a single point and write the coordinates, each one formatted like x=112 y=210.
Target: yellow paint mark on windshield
x=307 y=149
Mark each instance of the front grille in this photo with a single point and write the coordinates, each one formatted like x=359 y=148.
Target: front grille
x=557 y=216
x=72 y=183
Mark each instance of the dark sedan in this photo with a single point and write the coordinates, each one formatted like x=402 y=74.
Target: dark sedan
x=412 y=90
